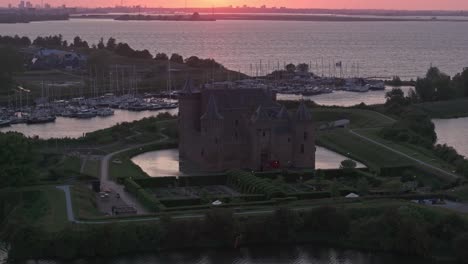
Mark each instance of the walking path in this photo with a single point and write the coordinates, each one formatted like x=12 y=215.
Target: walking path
x=405 y=155
x=108 y=183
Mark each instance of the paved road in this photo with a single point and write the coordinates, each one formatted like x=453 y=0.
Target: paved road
x=405 y=155
x=108 y=183
x=68 y=200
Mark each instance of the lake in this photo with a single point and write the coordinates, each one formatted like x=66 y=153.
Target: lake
x=391 y=48
x=166 y=162
x=454 y=133
x=303 y=254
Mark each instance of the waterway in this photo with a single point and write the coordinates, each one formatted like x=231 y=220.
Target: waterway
x=454 y=133
x=304 y=254
x=380 y=48
x=343 y=98
x=166 y=162
x=74 y=128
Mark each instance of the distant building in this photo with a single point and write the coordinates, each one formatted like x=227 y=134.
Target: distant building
x=42 y=58
x=231 y=128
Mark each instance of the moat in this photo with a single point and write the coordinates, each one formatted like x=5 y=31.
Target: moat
x=166 y=162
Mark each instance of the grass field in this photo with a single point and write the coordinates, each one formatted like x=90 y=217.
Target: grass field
x=359 y=118
x=84 y=202
x=414 y=151
x=345 y=143
x=92 y=168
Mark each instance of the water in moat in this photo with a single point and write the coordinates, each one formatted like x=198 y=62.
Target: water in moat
x=166 y=162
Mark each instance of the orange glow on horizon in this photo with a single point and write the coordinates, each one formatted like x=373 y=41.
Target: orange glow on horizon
x=328 y=4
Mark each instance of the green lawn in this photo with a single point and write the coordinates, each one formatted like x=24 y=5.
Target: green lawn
x=359 y=118
x=414 y=151
x=42 y=206
x=92 y=168
x=460 y=192
x=374 y=156
x=84 y=202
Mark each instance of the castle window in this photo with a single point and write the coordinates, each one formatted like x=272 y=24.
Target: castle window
x=302 y=149
x=306 y=135
x=264 y=134
x=236 y=122
x=236 y=135
x=289 y=139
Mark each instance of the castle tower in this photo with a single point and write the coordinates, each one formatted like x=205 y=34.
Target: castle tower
x=189 y=116
x=303 y=138
x=260 y=138
x=212 y=127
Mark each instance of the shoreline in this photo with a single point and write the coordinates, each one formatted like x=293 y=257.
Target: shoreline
x=256 y=17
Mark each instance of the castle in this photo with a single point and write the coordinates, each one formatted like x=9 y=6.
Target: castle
x=232 y=128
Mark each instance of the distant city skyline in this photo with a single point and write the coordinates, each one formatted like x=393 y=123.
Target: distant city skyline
x=328 y=4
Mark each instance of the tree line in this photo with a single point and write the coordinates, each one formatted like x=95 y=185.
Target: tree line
x=438 y=86
x=414 y=126
x=119 y=48
x=406 y=229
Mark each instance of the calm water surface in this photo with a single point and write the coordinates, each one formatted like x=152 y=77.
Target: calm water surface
x=166 y=162
x=343 y=98
x=381 y=48
x=453 y=132
x=74 y=128
x=306 y=254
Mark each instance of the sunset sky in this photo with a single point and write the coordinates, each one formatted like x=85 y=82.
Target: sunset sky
x=348 y=4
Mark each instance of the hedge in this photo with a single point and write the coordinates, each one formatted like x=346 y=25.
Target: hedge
x=157 y=182
x=311 y=195
x=148 y=200
x=249 y=183
x=180 y=202
x=202 y=180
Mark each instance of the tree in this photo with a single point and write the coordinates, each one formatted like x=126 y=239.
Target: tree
x=335 y=189
x=460 y=83
x=161 y=57
x=348 y=164
x=123 y=49
x=79 y=43
x=11 y=62
x=176 y=58
x=412 y=96
x=220 y=224
x=291 y=68
x=111 y=44
x=395 y=96
x=15 y=160
x=435 y=86
x=460 y=245
x=362 y=186
x=303 y=67
x=101 y=44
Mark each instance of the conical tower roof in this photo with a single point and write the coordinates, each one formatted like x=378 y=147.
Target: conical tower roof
x=303 y=113
x=283 y=113
x=260 y=114
x=189 y=87
x=212 y=112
